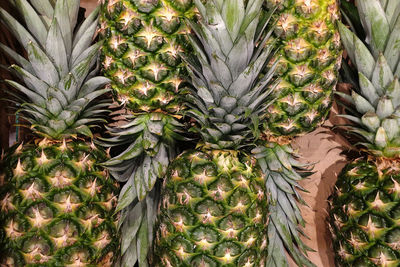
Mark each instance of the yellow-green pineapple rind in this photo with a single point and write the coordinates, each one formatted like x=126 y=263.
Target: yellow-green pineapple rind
x=365 y=215
x=57 y=207
x=143 y=40
x=213 y=211
x=308 y=66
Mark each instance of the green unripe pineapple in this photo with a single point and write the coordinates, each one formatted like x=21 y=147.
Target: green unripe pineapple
x=57 y=206
x=143 y=41
x=365 y=214
x=213 y=211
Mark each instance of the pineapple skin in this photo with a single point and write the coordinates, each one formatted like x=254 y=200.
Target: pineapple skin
x=308 y=64
x=365 y=214
x=212 y=212
x=57 y=206
x=143 y=40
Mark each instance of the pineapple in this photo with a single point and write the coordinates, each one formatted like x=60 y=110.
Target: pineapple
x=143 y=41
x=308 y=62
x=364 y=214
x=310 y=57
x=213 y=205
x=57 y=204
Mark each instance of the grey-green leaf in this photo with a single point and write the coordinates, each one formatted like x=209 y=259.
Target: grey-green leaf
x=55 y=48
x=84 y=130
x=391 y=128
x=19 y=31
x=143 y=243
x=233 y=15
x=382 y=75
x=375 y=24
x=381 y=138
x=392 y=51
x=18 y=58
x=364 y=60
x=348 y=40
x=131 y=225
x=44 y=7
x=73 y=7
x=35 y=84
x=40 y=62
x=384 y=108
x=33 y=21
x=83 y=43
x=127 y=194
x=85 y=25
x=367 y=89
x=64 y=23
x=35 y=97
x=362 y=105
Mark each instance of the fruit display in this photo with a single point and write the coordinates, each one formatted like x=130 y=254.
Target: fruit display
x=364 y=210
x=166 y=133
x=57 y=203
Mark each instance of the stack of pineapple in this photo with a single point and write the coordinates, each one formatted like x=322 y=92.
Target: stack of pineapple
x=364 y=216
x=57 y=206
x=142 y=42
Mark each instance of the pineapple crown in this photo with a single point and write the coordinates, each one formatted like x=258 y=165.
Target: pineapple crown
x=376 y=94
x=231 y=49
x=58 y=75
